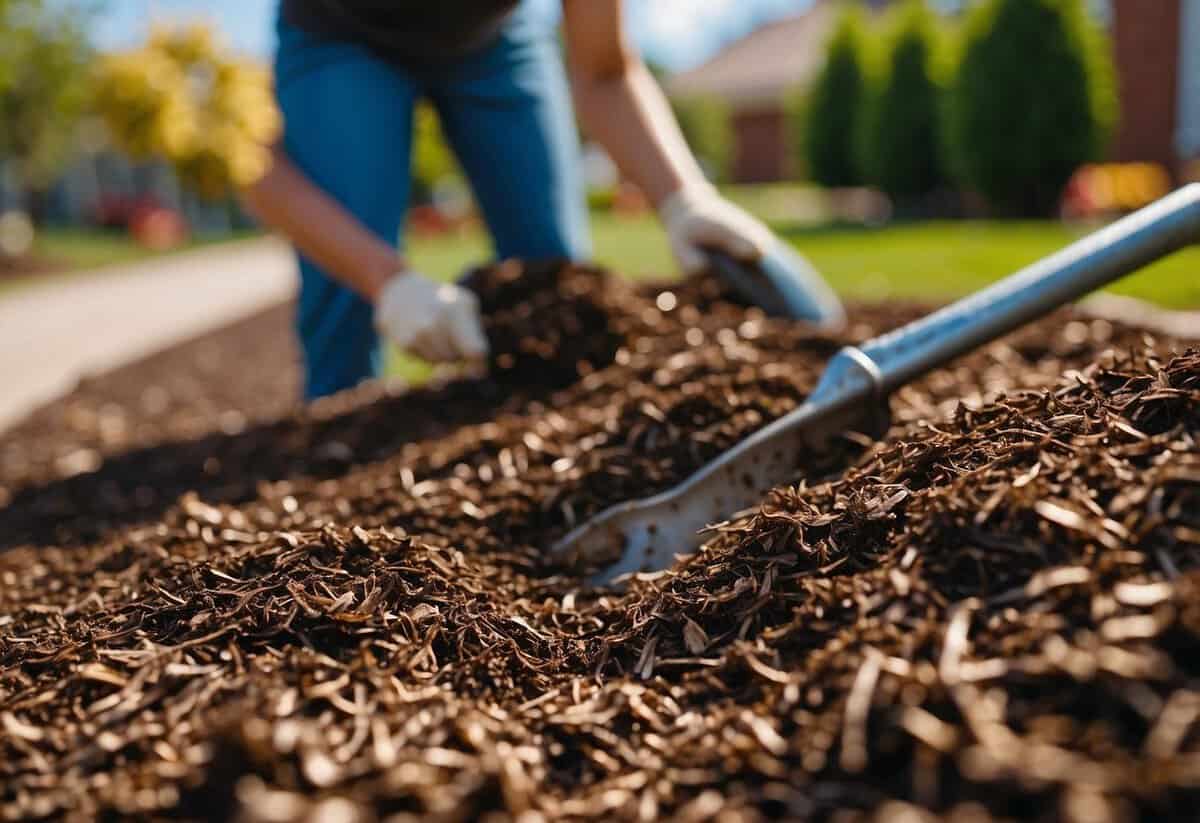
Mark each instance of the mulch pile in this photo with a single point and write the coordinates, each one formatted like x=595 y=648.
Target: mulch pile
x=222 y=608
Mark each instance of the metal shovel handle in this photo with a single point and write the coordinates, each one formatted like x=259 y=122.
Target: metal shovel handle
x=1098 y=259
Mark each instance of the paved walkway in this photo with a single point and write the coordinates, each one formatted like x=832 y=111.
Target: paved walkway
x=54 y=333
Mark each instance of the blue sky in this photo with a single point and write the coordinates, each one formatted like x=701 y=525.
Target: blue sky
x=677 y=33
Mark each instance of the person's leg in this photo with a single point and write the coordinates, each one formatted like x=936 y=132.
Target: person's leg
x=507 y=114
x=348 y=126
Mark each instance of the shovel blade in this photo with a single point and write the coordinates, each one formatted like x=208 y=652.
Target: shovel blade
x=650 y=534
x=783 y=284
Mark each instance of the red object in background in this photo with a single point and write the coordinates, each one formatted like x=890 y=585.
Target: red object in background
x=158 y=228
x=1114 y=188
x=148 y=221
x=115 y=211
x=426 y=220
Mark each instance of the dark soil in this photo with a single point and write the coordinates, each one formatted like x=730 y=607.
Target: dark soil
x=215 y=606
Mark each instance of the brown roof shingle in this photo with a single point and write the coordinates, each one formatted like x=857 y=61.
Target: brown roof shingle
x=766 y=64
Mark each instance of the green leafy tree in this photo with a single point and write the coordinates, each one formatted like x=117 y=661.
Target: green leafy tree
x=44 y=73
x=899 y=141
x=1033 y=98
x=795 y=109
x=708 y=128
x=834 y=113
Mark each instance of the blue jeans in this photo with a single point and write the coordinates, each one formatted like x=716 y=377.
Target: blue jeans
x=506 y=112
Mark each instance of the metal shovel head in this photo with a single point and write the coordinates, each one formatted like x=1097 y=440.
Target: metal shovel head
x=651 y=533
x=783 y=284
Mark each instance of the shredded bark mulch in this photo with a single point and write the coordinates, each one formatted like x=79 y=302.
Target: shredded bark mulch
x=215 y=606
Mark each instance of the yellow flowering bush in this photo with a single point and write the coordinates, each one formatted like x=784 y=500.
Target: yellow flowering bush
x=183 y=97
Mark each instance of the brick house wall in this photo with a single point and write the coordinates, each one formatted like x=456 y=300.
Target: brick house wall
x=760 y=146
x=755 y=76
x=1146 y=49
x=1187 y=141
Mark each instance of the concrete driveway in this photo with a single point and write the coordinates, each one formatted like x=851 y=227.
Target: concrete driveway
x=54 y=333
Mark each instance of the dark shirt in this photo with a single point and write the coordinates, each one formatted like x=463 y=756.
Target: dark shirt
x=404 y=29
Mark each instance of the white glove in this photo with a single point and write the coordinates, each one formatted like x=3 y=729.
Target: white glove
x=697 y=218
x=438 y=322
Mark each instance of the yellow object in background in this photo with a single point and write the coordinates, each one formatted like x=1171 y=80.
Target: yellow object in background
x=183 y=97
x=1105 y=188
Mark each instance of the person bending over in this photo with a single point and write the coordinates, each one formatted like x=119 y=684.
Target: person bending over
x=348 y=74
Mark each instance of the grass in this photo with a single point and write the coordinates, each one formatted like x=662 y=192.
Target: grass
x=940 y=261
x=936 y=261
x=633 y=246
x=77 y=248
x=928 y=261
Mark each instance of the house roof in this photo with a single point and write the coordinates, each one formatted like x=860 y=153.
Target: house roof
x=766 y=64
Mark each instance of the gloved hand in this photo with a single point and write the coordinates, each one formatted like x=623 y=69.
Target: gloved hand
x=697 y=217
x=438 y=322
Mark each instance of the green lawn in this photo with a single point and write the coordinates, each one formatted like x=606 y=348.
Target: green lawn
x=928 y=261
x=87 y=248
x=932 y=261
x=636 y=247
x=938 y=261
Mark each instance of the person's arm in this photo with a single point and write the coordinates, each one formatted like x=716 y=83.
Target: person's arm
x=622 y=107
x=620 y=103
x=289 y=202
x=436 y=321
